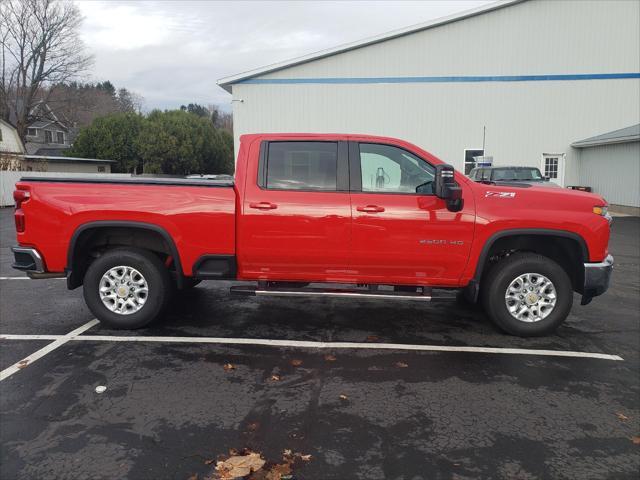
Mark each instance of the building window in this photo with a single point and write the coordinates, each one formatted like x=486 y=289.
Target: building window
x=551 y=167
x=32 y=132
x=29 y=169
x=470 y=159
x=60 y=137
x=48 y=136
x=101 y=169
x=0 y=134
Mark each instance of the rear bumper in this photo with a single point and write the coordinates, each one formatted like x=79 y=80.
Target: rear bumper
x=596 y=278
x=27 y=259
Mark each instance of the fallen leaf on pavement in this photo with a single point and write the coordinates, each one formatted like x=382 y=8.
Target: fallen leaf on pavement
x=622 y=416
x=343 y=397
x=372 y=338
x=239 y=465
x=275 y=378
x=278 y=471
x=253 y=426
x=287 y=453
x=401 y=365
x=22 y=363
x=229 y=366
x=305 y=458
x=636 y=440
x=193 y=477
x=330 y=358
x=296 y=363
x=209 y=462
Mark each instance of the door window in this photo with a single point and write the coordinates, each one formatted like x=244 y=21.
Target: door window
x=302 y=166
x=388 y=169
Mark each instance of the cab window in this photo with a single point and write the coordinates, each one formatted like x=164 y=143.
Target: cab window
x=388 y=169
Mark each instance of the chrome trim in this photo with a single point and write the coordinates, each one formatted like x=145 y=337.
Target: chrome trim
x=35 y=255
x=307 y=293
x=607 y=262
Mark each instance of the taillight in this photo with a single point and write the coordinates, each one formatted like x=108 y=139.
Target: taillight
x=20 y=195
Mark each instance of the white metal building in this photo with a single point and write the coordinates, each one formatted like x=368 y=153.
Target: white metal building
x=536 y=75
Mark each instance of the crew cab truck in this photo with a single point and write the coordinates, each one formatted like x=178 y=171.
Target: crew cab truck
x=378 y=215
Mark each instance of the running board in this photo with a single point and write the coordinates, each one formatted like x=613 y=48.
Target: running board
x=330 y=292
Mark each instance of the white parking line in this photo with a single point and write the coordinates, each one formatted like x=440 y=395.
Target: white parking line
x=60 y=340
x=323 y=345
x=27 y=278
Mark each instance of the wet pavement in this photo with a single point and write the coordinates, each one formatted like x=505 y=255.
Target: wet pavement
x=170 y=408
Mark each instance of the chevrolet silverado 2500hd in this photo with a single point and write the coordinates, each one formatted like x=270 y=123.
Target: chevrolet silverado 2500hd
x=379 y=214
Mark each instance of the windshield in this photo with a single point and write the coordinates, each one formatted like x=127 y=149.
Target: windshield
x=522 y=174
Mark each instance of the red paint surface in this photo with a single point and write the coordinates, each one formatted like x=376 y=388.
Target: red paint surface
x=314 y=236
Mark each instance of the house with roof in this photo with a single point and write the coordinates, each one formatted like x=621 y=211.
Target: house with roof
x=49 y=135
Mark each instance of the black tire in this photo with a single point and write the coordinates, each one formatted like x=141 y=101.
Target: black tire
x=501 y=275
x=153 y=271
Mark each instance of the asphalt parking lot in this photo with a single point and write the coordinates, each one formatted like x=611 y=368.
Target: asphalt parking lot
x=171 y=407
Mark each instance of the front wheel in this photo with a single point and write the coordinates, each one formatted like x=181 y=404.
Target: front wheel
x=127 y=288
x=527 y=294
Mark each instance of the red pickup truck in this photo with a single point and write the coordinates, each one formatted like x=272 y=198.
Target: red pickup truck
x=378 y=216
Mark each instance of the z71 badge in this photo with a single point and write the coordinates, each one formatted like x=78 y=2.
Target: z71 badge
x=500 y=194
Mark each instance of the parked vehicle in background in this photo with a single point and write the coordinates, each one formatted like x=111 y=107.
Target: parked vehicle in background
x=376 y=213
x=530 y=175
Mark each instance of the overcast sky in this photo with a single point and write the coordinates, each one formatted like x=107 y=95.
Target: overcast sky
x=172 y=52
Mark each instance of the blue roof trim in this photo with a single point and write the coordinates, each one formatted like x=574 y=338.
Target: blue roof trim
x=447 y=79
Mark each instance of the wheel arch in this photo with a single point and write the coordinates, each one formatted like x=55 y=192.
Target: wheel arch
x=542 y=241
x=77 y=255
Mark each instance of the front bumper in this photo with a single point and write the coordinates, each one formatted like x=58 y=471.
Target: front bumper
x=596 y=278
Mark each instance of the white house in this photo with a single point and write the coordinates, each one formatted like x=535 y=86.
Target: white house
x=517 y=80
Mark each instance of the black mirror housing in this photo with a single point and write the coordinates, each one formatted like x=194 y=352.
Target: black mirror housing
x=447 y=188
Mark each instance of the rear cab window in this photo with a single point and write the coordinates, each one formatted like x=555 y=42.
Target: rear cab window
x=292 y=165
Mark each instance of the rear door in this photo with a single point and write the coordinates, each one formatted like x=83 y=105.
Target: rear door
x=402 y=233
x=296 y=215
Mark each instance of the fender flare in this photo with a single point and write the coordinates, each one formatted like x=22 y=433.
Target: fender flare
x=73 y=282
x=473 y=288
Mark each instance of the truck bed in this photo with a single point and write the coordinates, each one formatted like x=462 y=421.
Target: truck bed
x=197 y=214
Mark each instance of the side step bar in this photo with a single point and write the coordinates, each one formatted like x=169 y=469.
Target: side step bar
x=424 y=296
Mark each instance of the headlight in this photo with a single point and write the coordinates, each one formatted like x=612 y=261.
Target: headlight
x=602 y=210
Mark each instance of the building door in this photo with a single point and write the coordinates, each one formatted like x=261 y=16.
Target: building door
x=553 y=167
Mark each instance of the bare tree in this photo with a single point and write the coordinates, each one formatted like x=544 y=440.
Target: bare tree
x=40 y=46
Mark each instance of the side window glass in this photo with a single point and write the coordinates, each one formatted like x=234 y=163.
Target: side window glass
x=302 y=166
x=390 y=169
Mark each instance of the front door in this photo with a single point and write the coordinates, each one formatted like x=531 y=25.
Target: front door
x=553 y=167
x=296 y=216
x=402 y=233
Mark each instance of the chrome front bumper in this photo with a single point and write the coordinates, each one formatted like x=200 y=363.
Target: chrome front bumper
x=596 y=278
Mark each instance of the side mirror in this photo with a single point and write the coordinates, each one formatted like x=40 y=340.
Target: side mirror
x=447 y=188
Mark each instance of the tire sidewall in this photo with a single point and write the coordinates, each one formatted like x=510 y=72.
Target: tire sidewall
x=514 y=267
x=151 y=269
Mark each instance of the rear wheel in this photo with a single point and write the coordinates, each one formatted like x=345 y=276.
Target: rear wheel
x=527 y=294
x=127 y=288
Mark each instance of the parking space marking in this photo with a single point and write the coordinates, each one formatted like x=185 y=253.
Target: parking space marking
x=16 y=367
x=28 y=278
x=321 y=345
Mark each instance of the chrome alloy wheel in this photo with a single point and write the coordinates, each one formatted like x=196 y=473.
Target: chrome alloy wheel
x=530 y=297
x=123 y=290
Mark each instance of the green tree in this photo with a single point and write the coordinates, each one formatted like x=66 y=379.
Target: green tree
x=172 y=142
x=112 y=137
x=180 y=143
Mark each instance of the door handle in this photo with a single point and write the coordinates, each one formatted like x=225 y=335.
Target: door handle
x=371 y=209
x=263 y=205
